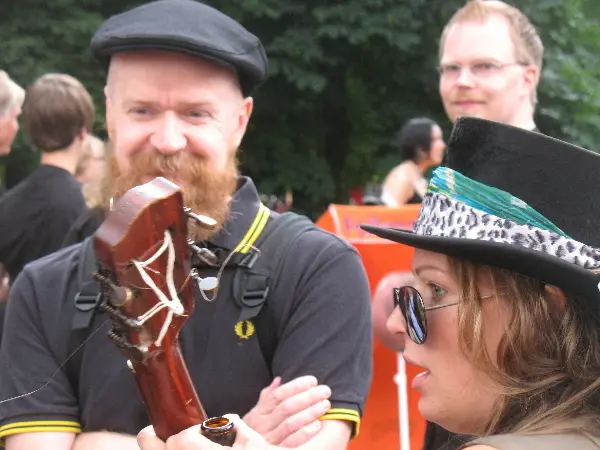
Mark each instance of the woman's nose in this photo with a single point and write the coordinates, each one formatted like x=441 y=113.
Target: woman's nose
x=395 y=323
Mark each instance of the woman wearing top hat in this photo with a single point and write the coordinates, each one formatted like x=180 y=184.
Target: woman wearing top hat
x=504 y=316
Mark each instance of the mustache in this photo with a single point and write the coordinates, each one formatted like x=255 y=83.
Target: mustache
x=206 y=189
x=178 y=163
x=180 y=167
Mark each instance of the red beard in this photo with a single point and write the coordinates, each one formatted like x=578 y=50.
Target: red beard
x=205 y=191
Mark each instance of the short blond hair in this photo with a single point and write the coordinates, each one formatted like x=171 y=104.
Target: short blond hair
x=528 y=44
x=11 y=94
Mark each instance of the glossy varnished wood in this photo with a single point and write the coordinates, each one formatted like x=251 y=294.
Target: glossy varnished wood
x=134 y=230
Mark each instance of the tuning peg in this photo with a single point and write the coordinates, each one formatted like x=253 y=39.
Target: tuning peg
x=204 y=254
x=204 y=221
x=119 y=295
x=134 y=352
x=118 y=317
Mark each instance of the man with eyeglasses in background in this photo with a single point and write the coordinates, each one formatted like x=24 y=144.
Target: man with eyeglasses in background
x=490 y=64
x=490 y=60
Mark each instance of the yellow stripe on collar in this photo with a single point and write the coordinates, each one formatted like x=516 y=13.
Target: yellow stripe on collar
x=255 y=230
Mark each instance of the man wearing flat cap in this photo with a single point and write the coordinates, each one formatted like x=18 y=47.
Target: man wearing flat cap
x=179 y=79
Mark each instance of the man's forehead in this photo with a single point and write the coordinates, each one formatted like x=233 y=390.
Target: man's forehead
x=166 y=68
x=146 y=60
x=473 y=39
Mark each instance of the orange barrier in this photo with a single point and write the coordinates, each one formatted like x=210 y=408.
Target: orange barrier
x=390 y=397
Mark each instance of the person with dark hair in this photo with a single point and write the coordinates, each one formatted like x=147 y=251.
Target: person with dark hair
x=421 y=146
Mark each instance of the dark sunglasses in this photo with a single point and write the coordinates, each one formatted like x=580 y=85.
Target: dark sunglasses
x=413 y=309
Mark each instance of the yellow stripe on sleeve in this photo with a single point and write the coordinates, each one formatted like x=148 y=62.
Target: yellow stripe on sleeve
x=56 y=426
x=65 y=423
x=349 y=415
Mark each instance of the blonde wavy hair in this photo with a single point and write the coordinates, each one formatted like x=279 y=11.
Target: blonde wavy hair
x=548 y=361
x=93 y=190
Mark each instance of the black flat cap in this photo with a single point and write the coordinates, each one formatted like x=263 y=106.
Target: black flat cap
x=189 y=27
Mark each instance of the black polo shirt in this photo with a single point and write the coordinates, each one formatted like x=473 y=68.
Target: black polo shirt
x=322 y=306
x=36 y=215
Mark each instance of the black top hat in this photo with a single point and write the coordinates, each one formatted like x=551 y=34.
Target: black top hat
x=514 y=199
x=185 y=26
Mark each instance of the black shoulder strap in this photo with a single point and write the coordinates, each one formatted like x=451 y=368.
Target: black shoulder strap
x=251 y=284
x=86 y=302
x=88 y=297
x=255 y=278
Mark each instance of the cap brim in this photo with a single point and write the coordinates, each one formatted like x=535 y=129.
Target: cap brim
x=531 y=263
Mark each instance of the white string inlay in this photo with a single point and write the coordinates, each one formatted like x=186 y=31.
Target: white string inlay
x=173 y=303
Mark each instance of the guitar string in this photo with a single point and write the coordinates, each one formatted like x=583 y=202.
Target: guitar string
x=174 y=305
x=92 y=334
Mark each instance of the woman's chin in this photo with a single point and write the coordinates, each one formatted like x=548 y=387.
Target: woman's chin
x=433 y=412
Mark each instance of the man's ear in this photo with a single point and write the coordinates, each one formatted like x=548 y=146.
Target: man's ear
x=244 y=114
x=83 y=133
x=109 y=113
x=532 y=77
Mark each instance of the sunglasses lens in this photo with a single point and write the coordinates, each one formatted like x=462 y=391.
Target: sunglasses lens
x=413 y=310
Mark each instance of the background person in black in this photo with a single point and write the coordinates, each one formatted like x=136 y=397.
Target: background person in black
x=178 y=107
x=37 y=213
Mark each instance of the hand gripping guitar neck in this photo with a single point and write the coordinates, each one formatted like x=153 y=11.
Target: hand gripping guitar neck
x=145 y=269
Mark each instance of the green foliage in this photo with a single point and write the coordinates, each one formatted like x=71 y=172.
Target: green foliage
x=344 y=76
x=570 y=87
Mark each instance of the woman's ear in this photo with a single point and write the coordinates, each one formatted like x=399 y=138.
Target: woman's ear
x=422 y=154
x=557 y=301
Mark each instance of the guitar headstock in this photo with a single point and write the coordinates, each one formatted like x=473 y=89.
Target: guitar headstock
x=145 y=266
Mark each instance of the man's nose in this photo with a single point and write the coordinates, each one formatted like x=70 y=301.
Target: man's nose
x=465 y=77
x=168 y=137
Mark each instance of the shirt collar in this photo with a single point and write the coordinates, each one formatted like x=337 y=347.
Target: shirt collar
x=245 y=208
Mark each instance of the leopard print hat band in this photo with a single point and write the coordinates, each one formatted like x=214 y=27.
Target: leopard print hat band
x=458 y=207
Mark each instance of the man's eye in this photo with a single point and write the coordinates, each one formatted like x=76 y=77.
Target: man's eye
x=484 y=67
x=198 y=114
x=451 y=68
x=140 y=111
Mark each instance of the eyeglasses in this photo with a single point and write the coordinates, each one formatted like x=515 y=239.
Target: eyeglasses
x=478 y=70
x=413 y=309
